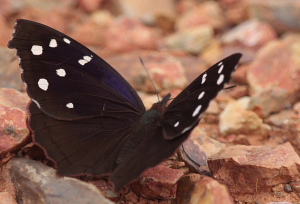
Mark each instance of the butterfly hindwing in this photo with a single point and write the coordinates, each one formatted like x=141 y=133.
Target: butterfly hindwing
x=186 y=109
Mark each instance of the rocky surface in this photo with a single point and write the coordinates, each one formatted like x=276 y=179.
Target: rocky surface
x=246 y=148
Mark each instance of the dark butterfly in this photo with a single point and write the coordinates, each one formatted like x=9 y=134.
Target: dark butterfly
x=89 y=120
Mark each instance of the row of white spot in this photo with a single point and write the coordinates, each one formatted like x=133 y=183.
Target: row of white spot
x=200 y=96
x=43 y=83
x=38 y=50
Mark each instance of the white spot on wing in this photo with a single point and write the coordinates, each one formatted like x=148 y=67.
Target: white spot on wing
x=220 y=69
x=85 y=60
x=67 y=40
x=53 y=43
x=82 y=62
x=201 y=95
x=43 y=84
x=220 y=79
x=203 y=78
x=37 y=103
x=186 y=129
x=197 y=110
x=220 y=63
x=37 y=50
x=61 y=72
x=176 y=124
x=70 y=105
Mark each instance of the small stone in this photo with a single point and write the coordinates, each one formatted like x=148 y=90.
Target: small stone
x=197 y=189
x=236 y=120
x=193 y=40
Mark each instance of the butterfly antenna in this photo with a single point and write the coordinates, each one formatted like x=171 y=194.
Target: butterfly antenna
x=141 y=60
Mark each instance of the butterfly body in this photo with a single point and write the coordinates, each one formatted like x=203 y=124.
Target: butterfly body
x=89 y=120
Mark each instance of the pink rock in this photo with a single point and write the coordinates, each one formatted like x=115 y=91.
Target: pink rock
x=91 y=31
x=196 y=189
x=125 y=34
x=166 y=72
x=14 y=132
x=5 y=32
x=207 y=13
x=235 y=11
x=90 y=5
x=7 y=198
x=252 y=34
x=157 y=183
x=274 y=75
x=256 y=170
x=10 y=71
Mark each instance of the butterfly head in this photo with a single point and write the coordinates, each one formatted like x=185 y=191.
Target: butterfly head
x=162 y=105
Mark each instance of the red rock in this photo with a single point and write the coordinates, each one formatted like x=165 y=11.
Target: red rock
x=157 y=183
x=207 y=13
x=252 y=34
x=125 y=34
x=282 y=17
x=236 y=120
x=197 y=189
x=14 y=132
x=250 y=171
x=90 y=5
x=273 y=76
x=148 y=11
x=7 y=198
x=193 y=40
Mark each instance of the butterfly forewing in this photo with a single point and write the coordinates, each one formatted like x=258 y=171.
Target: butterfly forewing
x=186 y=109
x=82 y=110
x=67 y=80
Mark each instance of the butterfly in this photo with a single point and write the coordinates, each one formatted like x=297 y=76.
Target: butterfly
x=89 y=120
